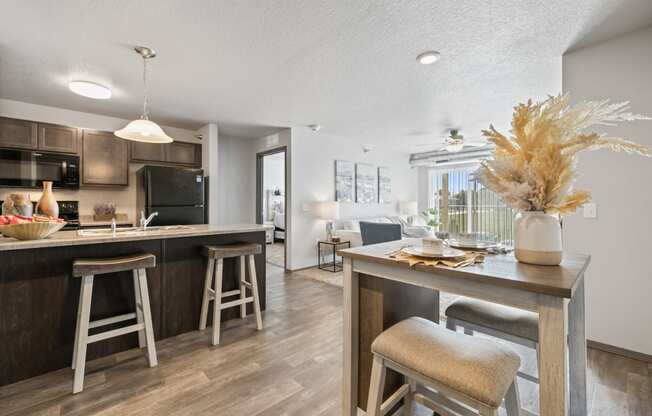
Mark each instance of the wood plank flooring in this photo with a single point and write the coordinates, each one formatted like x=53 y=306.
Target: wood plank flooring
x=292 y=367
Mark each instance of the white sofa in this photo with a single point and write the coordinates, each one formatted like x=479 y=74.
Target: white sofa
x=349 y=230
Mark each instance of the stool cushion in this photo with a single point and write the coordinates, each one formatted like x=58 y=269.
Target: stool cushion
x=517 y=322
x=232 y=250
x=85 y=267
x=479 y=368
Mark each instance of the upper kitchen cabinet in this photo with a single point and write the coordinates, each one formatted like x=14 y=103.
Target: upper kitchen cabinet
x=18 y=133
x=105 y=159
x=175 y=153
x=54 y=138
x=147 y=152
x=182 y=153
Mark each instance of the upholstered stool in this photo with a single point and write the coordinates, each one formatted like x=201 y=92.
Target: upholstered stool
x=458 y=371
x=216 y=256
x=87 y=269
x=500 y=321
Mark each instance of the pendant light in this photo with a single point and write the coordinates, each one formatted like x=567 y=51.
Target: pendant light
x=143 y=129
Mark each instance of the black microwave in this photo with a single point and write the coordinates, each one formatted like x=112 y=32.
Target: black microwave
x=28 y=169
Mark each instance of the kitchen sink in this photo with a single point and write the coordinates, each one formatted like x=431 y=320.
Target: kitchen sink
x=127 y=231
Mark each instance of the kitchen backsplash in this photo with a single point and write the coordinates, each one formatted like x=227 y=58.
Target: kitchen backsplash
x=124 y=198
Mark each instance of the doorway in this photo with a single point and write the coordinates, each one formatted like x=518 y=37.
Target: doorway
x=271 y=202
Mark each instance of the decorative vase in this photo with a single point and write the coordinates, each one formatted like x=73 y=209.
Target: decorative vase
x=47 y=205
x=17 y=204
x=537 y=238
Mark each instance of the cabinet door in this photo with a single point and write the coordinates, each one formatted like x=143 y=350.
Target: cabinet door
x=182 y=153
x=17 y=133
x=105 y=159
x=54 y=138
x=147 y=152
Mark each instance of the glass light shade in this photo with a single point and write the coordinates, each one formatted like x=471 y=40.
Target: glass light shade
x=90 y=90
x=329 y=210
x=143 y=130
x=408 y=208
x=455 y=147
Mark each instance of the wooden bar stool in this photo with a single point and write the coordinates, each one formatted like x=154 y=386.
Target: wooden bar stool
x=458 y=371
x=213 y=287
x=87 y=269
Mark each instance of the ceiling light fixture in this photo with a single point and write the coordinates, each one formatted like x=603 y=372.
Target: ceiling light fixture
x=143 y=129
x=455 y=146
x=314 y=127
x=90 y=90
x=429 y=57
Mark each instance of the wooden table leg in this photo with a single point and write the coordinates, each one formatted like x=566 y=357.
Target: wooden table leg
x=553 y=394
x=577 y=352
x=350 y=379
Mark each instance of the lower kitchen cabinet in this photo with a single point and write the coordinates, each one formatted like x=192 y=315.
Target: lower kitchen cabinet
x=105 y=159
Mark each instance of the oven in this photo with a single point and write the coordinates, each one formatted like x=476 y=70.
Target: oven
x=28 y=169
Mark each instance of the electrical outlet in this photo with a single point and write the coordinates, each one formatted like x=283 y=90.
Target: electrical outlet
x=590 y=210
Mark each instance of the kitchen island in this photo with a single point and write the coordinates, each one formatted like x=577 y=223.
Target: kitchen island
x=39 y=296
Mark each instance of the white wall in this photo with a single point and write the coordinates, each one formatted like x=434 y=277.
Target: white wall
x=313 y=158
x=236 y=199
x=274 y=172
x=210 y=164
x=619 y=279
x=124 y=197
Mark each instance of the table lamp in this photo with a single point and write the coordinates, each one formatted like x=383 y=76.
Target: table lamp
x=329 y=211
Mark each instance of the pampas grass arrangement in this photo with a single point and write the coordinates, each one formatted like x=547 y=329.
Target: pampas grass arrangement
x=534 y=168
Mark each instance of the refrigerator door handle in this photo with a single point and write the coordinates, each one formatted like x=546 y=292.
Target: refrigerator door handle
x=149 y=189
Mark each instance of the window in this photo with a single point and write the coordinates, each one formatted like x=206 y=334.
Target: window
x=461 y=204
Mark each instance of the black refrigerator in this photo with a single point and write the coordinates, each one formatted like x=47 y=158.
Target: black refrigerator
x=177 y=194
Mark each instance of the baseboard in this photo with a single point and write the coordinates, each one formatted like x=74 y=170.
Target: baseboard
x=635 y=355
x=302 y=268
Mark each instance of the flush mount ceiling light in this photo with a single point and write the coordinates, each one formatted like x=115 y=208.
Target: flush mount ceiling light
x=143 y=129
x=90 y=89
x=429 y=57
x=314 y=127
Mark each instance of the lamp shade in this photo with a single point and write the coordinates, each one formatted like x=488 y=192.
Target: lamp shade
x=328 y=210
x=143 y=130
x=408 y=208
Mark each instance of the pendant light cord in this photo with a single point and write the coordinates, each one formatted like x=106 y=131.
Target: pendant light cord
x=145 y=115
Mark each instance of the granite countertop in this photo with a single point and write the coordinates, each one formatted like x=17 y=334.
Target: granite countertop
x=72 y=238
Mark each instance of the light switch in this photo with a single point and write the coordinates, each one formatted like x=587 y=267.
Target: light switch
x=590 y=210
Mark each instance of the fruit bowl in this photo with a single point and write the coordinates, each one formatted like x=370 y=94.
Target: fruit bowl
x=31 y=230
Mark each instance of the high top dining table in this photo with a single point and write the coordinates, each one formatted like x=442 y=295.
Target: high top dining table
x=378 y=292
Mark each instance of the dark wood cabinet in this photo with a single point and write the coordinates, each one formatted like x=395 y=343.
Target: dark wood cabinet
x=182 y=153
x=175 y=153
x=55 y=138
x=105 y=159
x=20 y=134
x=147 y=152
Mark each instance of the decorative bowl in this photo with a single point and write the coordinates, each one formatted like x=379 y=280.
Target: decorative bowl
x=31 y=230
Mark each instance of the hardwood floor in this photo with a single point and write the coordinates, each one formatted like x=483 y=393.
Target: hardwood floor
x=292 y=367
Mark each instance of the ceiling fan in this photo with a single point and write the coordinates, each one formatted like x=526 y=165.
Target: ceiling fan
x=455 y=142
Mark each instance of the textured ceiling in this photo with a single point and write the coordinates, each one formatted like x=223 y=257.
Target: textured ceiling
x=347 y=65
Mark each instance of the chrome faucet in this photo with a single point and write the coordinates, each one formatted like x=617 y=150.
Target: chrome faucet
x=114 y=227
x=144 y=222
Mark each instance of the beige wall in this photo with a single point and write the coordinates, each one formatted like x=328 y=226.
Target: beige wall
x=619 y=279
x=124 y=197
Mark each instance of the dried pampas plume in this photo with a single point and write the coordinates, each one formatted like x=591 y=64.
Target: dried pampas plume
x=534 y=168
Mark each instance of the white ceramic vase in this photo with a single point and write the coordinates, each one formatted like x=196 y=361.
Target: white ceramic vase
x=537 y=238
